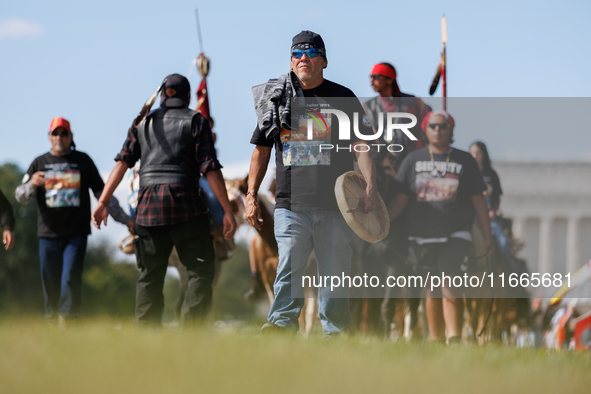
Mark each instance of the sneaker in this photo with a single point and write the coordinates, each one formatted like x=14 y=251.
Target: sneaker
x=270 y=328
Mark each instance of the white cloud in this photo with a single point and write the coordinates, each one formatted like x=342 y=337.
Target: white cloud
x=18 y=27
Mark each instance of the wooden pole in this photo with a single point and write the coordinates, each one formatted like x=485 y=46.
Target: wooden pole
x=444 y=61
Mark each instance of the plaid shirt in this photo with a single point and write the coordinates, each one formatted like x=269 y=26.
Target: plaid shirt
x=165 y=204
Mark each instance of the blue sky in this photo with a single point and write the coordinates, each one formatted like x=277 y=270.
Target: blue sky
x=95 y=63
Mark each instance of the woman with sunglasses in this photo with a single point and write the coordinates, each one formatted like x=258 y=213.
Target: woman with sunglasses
x=59 y=181
x=383 y=80
x=443 y=189
x=493 y=191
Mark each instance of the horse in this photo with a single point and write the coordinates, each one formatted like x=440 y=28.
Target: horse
x=490 y=317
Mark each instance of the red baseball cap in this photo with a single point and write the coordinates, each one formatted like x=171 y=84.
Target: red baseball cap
x=445 y=115
x=59 y=122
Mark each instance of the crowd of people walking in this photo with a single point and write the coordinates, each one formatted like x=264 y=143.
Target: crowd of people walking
x=434 y=193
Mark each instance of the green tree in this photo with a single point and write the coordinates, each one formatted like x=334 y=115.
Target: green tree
x=228 y=298
x=20 y=277
x=108 y=286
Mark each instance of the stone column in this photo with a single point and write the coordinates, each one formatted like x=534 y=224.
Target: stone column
x=572 y=245
x=519 y=227
x=545 y=246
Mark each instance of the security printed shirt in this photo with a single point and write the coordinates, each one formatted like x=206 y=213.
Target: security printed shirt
x=440 y=190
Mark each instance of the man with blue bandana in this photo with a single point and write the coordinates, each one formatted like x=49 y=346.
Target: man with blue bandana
x=306 y=213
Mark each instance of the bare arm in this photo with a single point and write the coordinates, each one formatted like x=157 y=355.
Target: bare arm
x=258 y=168
x=101 y=212
x=115 y=209
x=495 y=207
x=482 y=216
x=397 y=205
x=218 y=186
x=8 y=238
x=366 y=165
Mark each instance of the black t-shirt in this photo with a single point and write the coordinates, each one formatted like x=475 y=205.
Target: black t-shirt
x=398 y=234
x=493 y=187
x=306 y=175
x=63 y=203
x=440 y=192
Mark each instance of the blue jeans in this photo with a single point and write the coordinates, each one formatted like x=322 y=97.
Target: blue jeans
x=297 y=234
x=61 y=274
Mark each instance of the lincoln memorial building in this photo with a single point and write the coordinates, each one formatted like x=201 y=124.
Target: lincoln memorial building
x=550 y=205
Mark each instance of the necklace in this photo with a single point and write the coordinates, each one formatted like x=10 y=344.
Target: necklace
x=435 y=171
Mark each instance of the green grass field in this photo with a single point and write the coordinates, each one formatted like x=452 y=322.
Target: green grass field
x=107 y=356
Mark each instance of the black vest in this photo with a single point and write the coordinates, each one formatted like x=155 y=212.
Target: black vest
x=168 y=148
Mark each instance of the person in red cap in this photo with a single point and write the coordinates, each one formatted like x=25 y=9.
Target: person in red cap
x=59 y=181
x=391 y=99
x=442 y=190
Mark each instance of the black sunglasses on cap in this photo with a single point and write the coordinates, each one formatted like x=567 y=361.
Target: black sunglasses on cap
x=63 y=133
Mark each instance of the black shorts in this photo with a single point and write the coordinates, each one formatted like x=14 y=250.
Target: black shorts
x=440 y=257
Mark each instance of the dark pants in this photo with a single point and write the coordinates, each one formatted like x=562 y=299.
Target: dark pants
x=193 y=242
x=62 y=260
x=441 y=258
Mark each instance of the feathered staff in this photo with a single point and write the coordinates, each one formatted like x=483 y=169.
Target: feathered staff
x=441 y=72
x=202 y=96
x=148 y=105
x=202 y=64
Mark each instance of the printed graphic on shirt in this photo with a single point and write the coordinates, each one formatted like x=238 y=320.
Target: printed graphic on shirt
x=437 y=181
x=62 y=188
x=298 y=150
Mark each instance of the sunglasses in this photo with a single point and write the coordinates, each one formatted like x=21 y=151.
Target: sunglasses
x=442 y=126
x=63 y=133
x=375 y=76
x=311 y=53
